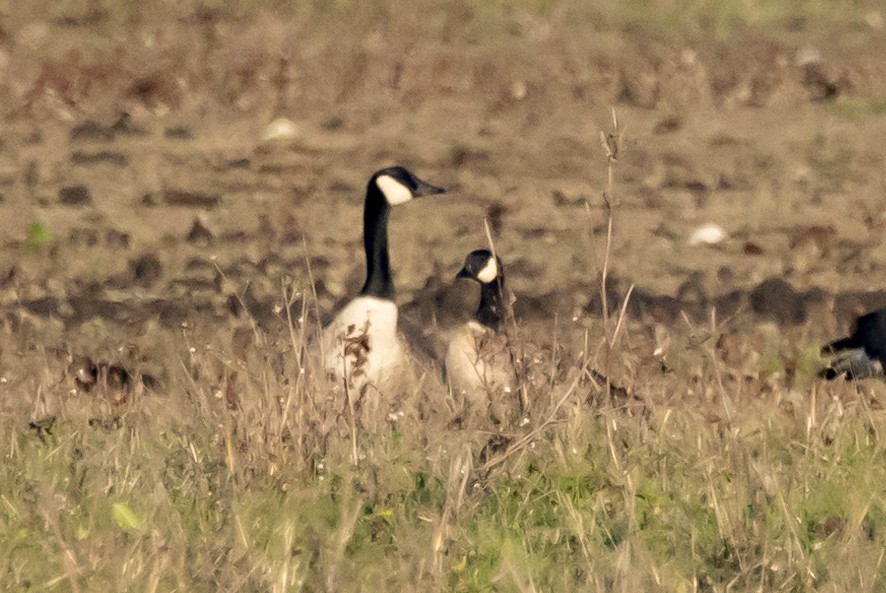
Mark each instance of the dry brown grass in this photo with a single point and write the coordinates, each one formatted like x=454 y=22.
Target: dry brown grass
x=239 y=474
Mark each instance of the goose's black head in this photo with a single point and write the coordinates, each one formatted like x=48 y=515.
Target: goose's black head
x=481 y=266
x=398 y=185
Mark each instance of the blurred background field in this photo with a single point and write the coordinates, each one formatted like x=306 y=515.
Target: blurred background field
x=155 y=429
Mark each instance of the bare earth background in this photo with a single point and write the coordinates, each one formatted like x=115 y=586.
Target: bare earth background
x=775 y=136
x=149 y=223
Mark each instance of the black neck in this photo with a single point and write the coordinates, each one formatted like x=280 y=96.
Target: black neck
x=375 y=241
x=491 y=310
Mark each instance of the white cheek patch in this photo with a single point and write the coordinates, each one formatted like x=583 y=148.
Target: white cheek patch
x=395 y=192
x=489 y=272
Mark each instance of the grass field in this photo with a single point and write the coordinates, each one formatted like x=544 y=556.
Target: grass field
x=679 y=442
x=710 y=480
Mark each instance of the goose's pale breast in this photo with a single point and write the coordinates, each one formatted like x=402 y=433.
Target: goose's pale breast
x=361 y=342
x=478 y=360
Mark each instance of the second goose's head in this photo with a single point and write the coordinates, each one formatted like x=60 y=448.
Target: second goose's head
x=398 y=185
x=481 y=266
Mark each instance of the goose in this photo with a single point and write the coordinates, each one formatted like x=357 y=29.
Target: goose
x=478 y=359
x=361 y=345
x=862 y=355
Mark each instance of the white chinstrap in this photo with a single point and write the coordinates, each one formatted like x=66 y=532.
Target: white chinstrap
x=489 y=272
x=394 y=191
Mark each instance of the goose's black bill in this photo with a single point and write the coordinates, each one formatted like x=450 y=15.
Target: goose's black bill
x=464 y=273
x=423 y=188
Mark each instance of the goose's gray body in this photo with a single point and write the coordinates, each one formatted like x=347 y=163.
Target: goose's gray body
x=478 y=359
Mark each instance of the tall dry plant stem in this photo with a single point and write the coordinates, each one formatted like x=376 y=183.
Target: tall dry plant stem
x=298 y=388
x=460 y=470
x=611 y=143
x=313 y=285
x=352 y=415
x=524 y=396
x=299 y=343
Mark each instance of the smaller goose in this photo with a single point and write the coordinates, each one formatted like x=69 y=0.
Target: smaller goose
x=863 y=354
x=478 y=360
x=361 y=344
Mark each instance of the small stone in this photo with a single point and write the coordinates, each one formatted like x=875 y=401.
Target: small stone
x=74 y=195
x=199 y=233
x=146 y=270
x=280 y=129
x=192 y=199
x=178 y=133
x=117 y=239
x=708 y=234
x=111 y=157
x=91 y=130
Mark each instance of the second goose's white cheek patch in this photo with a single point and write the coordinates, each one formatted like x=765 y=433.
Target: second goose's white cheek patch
x=395 y=192
x=489 y=272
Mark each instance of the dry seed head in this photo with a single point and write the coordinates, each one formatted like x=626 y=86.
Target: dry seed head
x=610 y=144
x=611 y=141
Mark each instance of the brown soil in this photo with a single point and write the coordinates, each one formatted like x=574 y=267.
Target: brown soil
x=139 y=148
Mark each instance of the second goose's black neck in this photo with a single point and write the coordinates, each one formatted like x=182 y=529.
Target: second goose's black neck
x=379 y=282
x=491 y=311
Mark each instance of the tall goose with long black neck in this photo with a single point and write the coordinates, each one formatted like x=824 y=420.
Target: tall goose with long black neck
x=478 y=360
x=360 y=346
